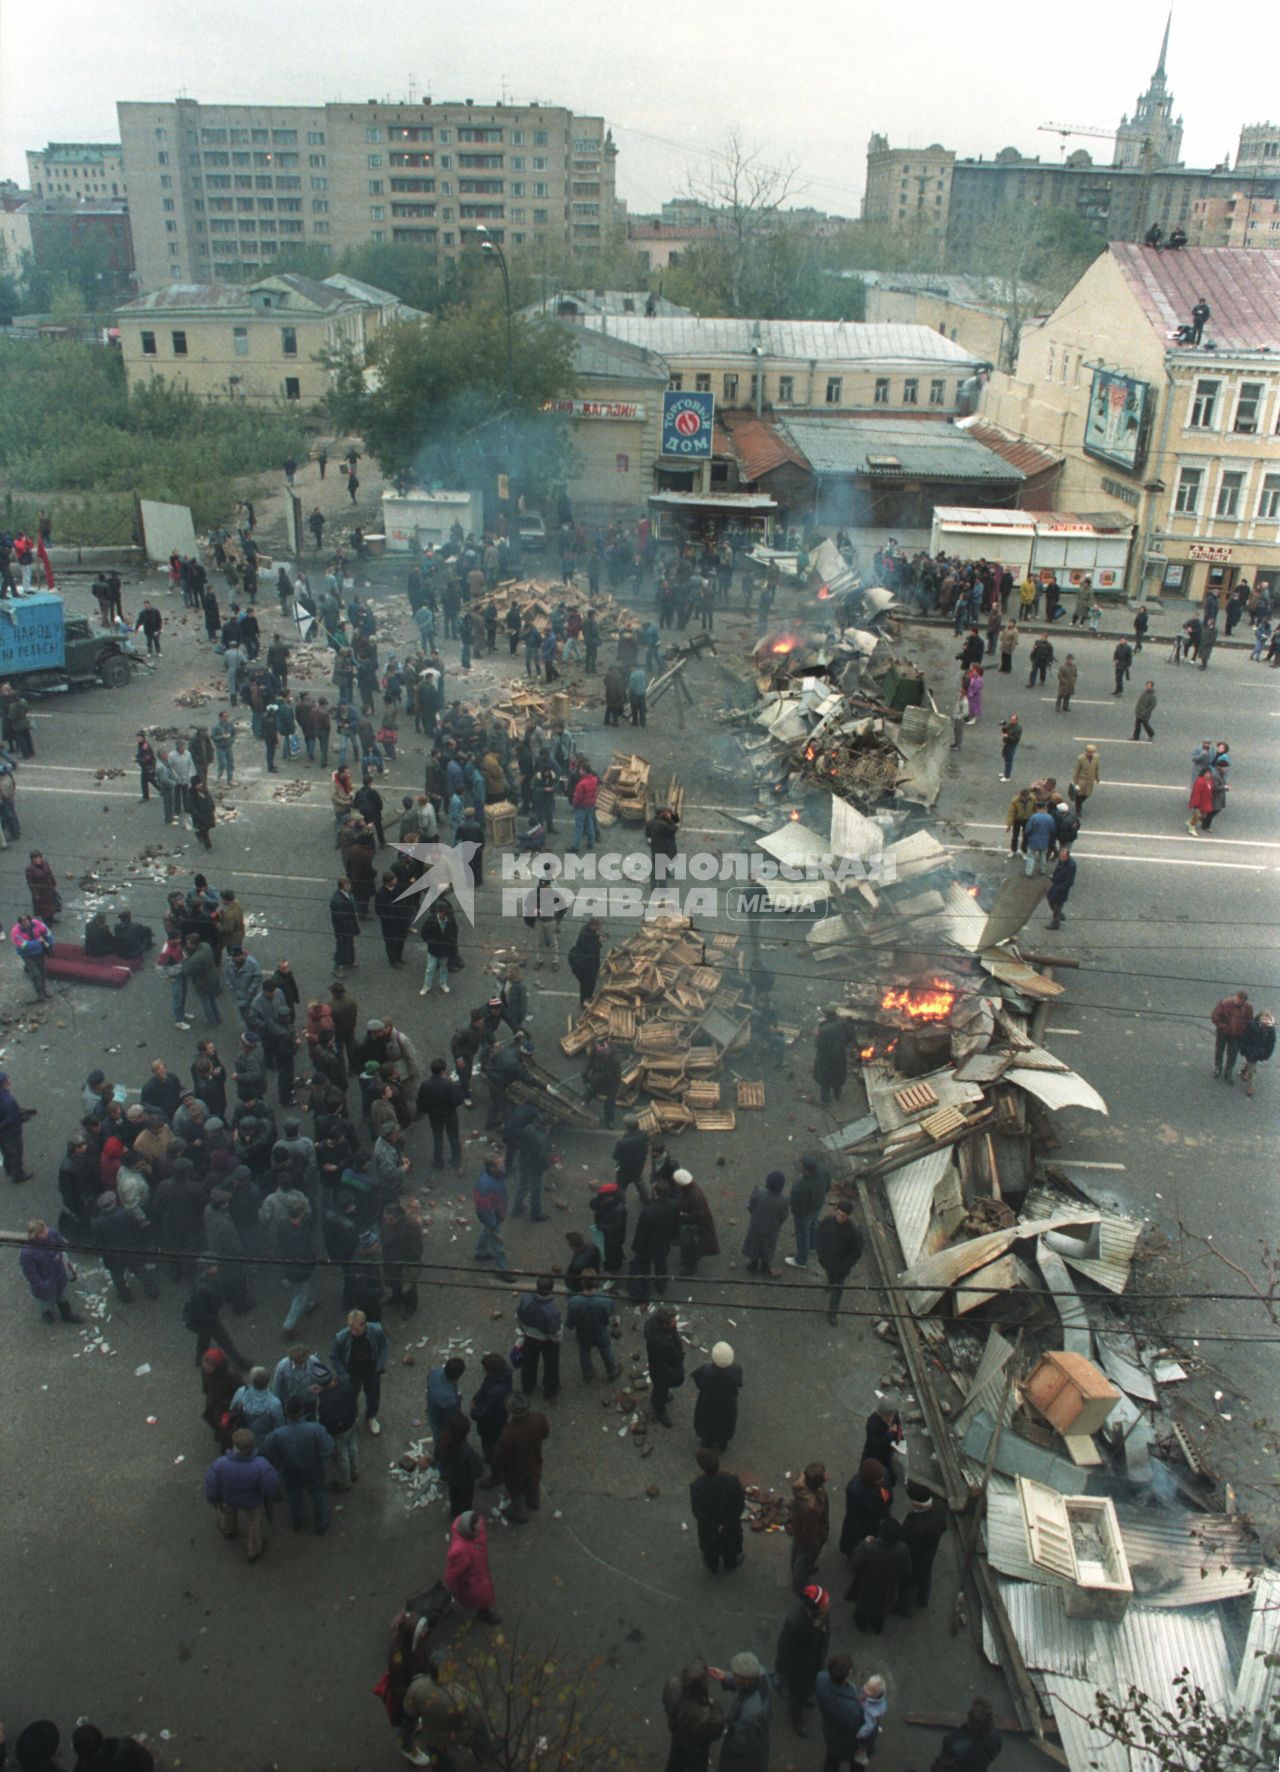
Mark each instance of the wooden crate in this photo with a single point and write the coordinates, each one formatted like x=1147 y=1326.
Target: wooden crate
x=622 y=1023
x=656 y=1036
x=916 y=1097
x=702 y=1093
x=702 y=1058
x=724 y=942
x=499 y=823
x=672 y=1116
x=578 y=1039
x=750 y=1095
x=705 y=978
x=715 y=1120
x=648 y=1120
x=947 y=1119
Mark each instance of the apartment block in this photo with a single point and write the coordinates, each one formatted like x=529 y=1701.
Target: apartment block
x=216 y=191
x=79 y=170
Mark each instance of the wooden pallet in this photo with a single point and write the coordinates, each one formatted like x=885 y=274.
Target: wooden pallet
x=947 y=1119
x=622 y=1023
x=648 y=1121
x=916 y=1097
x=724 y=942
x=701 y=1058
x=702 y=1094
x=705 y=978
x=715 y=1120
x=673 y=1116
x=656 y=1036
x=750 y=1095
x=579 y=1038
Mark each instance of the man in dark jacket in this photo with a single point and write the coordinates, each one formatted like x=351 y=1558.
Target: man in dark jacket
x=603 y=1077
x=840 y=1708
x=922 y=1531
x=838 y=1244
x=538 y=1318
x=664 y=1351
x=584 y=958
x=831 y=1055
x=239 y=1484
x=657 y=1227
x=660 y=834
x=298 y=1450
x=1231 y=1018
x=802 y=1649
x=1257 y=1044
x=808 y=1194
x=631 y=1154
x=609 y=1211
x=439 y=1099
x=716 y=1499
x=345 y=920
x=715 y=1414
x=695 y=1719
x=809 y=1524
x=1061 y=881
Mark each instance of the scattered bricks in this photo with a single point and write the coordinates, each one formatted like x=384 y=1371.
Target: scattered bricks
x=885 y=1330
x=407 y=1462
x=408 y=1360
x=652 y=1491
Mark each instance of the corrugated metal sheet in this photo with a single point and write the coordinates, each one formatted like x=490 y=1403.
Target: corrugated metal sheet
x=920 y=449
x=1006 y=1535
x=1017 y=1457
x=1077 y=1337
x=910 y=1195
x=1028 y=458
x=831 y=342
x=1118 y=1238
x=1058 y=1090
x=880 y=1086
x=760 y=446
x=1019 y=976
x=1149 y=1648
x=987 y=1391
x=1240 y=284
x=924 y=758
x=1178 y=1559
x=1256 y=1687
x=1050 y=1641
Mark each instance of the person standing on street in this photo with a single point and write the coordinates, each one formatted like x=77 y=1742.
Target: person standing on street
x=838 y=1244
x=715 y=1414
x=1022 y=805
x=695 y=1719
x=664 y=1353
x=1067 y=678
x=591 y=1314
x=716 y=1501
x=1141 y=622
x=1040 y=836
x=831 y=1055
x=490 y=1201
x=1231 y=1019
x=808 y=1195
x=808 y=1524
x=1143 y=709
x=239 y=1485
x=516 y=1460
x=345 y=921
x=466 y=1566
x=32 y=942
x=802 y=1649
x=745 y=1744
x=1010 y=739
x=299 y=1450
x=840 y=1709
x=538 y=1317
x=1061 y=881
x=359 y=1354
x=1257 y=1044
x=1041 y=659
x=922 y=1532
x=48 y=1273
x=1122 y=659
x=1085 y=777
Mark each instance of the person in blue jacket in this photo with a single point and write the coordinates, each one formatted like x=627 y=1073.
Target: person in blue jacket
x=359 y=1353
x=1039 y=834
x=239 y=1484
x=840 y=1708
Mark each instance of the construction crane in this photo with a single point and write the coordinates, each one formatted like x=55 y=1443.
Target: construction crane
x=1148 y=160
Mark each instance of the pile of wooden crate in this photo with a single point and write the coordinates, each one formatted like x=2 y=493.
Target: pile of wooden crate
x=670 y=996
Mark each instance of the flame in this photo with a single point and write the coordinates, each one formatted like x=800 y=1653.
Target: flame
x=810 y=752
x=794 y=815
x=870 y=1052
x=824 y=591
x=972 y=891
x=931 y=1002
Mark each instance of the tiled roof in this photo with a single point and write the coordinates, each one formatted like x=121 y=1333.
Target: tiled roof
x=1028 y=458
x=827 y=341
x=1241 y=285
x=895 y=447
x=759 y=445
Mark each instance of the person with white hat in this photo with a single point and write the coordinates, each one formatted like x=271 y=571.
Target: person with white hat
x=715 y=1415
x=697 y=1234
x=744 y=1746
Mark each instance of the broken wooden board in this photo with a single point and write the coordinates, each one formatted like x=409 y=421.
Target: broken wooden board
x=989 y=1282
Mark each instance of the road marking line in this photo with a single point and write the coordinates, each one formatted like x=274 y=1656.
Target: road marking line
x=1149 y=836
x=1079 y=1163
x=1155 y=861
x=1052 y=1033
x=1079 y=701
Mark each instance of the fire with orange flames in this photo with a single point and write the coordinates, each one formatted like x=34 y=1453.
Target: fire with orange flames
x=930 y=1001
x=784 y=645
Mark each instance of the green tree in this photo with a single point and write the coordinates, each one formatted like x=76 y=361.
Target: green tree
x=431 y=403
x=1028 y=258
x=309 y=258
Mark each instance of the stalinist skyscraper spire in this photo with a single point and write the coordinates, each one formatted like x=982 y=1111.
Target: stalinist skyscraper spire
x=1152 y=121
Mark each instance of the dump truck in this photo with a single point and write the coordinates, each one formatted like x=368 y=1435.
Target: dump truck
x=45 y=648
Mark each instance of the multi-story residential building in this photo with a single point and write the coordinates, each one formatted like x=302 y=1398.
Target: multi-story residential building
x=909 y=189
x=79 y=170
x=264 y=341
x=826 y=366
x=1182 y=436
x=217 y=191
x=44 y=227
x=1259 y=147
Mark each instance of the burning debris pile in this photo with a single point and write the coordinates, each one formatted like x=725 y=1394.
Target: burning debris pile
x=666 y=996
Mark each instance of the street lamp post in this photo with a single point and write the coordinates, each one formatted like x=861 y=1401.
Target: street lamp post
x=491 y=246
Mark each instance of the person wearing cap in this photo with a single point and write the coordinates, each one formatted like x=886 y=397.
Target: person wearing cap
x=603 y=1077
x=696 y=1235
x=47 y=1271
x=516 y=1460
x=1257 y=1044
x=299 y=1450
x=239 y=1484
x=538 y=1318
x=1085 y=777
x=715 y=1414
x=716 y=1500
x=801 y=1650
x=808 y=1524
x=695 y=1719
x=120 y=1238
x=466 y=1566
x=841 y=1710
x=744 y=1747
x=609 y=1213
x=922 y=1531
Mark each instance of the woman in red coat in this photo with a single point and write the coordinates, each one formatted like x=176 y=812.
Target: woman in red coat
x=466 y=1566
x=1201 y=801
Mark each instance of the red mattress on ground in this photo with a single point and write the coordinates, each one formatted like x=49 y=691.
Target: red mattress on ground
x=69 y=964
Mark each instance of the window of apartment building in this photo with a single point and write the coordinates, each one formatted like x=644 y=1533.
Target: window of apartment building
x=284 y=138
x=541 y=190
x=481 y=187
x=162 y=134
x=539 y=162
x=289 y=205
x=238 y=135
x=1229 y=490
x=319 y=184
x=541 y=216
x=315 y=138
x=517 y=163
x=540 y=138
x=320 y=227
x=260 y=137
x=937 y=392
x=586 y=209
x=731 y=387
x=1204 y=405
x=517 y=239
x=786 y=389
x=911 y=391
x=247 y=227
x=179 y=344
x=375 y=187
x=446 y=161
x=266 y=205
x=1268 y=498
x=702 y=382
x=517 y=188
x=264 y=184
x=222 y=227
x=173 y=253
x=217 y=159
x=375 y=161
x=197 y=203
x=286 y=159
x=316 y=160
x=413 y=133
x=243 y=182
x=211 y=137
x=517 y=136
x=171 y=227
x=676 y=383
x=166 y=182
x=518 y=215
x=292 y=388
x=240 y=340
x=268 y=248
x=377 y=212
x=244 y=204
x=148 y=344
x=162 y=159
x=405 y=159
x=218 y=181
x=470 y=134
x=835 y=387
x=373 y=135
x=289 y=340
x=882 y=390
x=242 y=159
x=167 y=204
x=263 y=160
x=319 y=206
x=288 y=181
x=446 y=135
x=1187 y=497
x=1248 y=406
x=288 y=227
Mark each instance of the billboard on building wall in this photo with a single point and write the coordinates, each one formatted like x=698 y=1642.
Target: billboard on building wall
x=687 y=422
x=1118 y=420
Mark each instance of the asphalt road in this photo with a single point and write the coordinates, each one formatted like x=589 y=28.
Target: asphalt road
x=121 y=1600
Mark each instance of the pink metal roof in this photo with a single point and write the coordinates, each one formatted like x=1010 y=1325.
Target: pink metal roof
x=1240 y=284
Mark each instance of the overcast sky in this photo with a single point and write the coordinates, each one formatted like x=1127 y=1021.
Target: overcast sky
x=806 y=79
